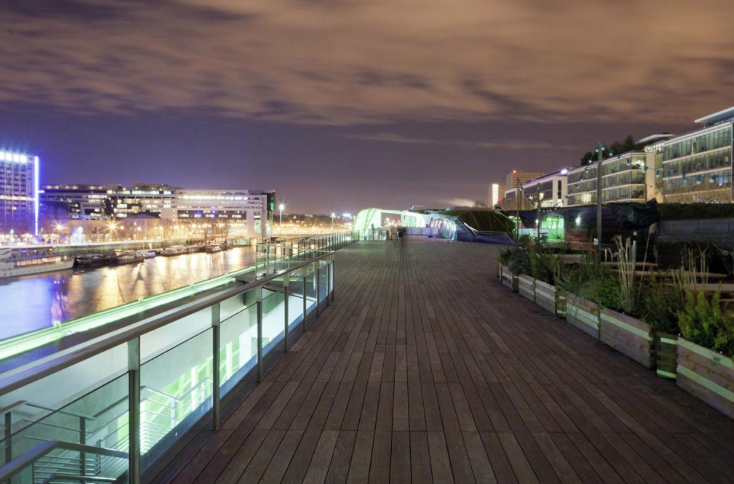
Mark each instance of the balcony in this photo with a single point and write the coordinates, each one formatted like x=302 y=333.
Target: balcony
x=420 y=369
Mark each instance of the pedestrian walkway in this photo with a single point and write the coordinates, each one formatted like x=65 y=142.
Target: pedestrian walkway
x=426 y=369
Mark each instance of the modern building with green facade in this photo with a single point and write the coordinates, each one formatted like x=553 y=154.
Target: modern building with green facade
x=697 y=167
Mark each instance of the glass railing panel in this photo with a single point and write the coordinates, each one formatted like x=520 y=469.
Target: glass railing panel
x=323 y=283
x=295 y=300
x=164 y=338
x=311 y=281
x=238 y=347
x=231 y=306
x=273 y=318
x=89 y=436
x=176 y=392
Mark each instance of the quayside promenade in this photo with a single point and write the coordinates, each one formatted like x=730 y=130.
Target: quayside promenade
x=425 y=369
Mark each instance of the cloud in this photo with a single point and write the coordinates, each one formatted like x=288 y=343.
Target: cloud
x=350 y=62
x=387 y=137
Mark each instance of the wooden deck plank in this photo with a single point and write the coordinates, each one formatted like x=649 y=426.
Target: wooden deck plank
x=425 y=369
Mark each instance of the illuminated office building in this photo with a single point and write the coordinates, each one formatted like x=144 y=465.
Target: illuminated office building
x=697 y=167
x=623 y=180
x=18 y=192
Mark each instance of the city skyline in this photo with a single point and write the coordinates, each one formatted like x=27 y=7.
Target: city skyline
x=343 y=106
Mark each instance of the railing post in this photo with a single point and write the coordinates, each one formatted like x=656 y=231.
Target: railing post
x=259 y=299
x=286 y=283
x=216 y=364
x=267 y=259
x=318 y=288
x=304 y=274
x=8 y=437
x=83 y=441
x=133 y=375
x=331 y=281
x=328 y=282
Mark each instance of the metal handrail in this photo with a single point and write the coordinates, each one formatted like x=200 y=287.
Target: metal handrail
x=20 y=403
x=151 y=432
x=30 y=375
x=16 y=466
x=72 y=478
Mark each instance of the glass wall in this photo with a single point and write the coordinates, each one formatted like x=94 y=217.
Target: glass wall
x=78 y=420
x=710 y=140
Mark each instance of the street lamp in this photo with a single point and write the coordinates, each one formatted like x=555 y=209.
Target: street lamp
x=332 y=220
x=600 y=147
x=281 y=207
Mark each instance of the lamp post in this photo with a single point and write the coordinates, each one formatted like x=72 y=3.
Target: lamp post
x=517 y=210
x=600 y=150
x=332 y=220
x=281 y=207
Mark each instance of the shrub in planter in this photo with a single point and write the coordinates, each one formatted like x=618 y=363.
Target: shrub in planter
x=706 y=375
x=705 y=367
x=661 y=303
x=704 y=323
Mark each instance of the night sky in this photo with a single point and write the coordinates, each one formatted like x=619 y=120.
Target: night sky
x=344 y=104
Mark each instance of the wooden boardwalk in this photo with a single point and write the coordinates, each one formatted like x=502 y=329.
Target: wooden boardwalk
x=426 y=369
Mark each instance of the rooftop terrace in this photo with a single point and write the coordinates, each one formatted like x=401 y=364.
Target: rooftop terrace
x=424 y=368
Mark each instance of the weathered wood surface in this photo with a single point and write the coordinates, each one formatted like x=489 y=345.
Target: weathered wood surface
x=707 y=375
x=626 y=334
x=526 y=286
x=583 y=314
x=425 y=369
x=545 y=296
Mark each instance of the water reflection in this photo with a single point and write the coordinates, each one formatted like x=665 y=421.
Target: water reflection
x=33 y=302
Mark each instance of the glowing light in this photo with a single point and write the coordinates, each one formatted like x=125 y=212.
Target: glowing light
x=578 y=220
x=23 y=159
x=2 y=156
x=16 y=158
x=564 y=171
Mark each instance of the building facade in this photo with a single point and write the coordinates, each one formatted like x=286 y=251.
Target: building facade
x=516 y=179
x=515 y=199
x=653 y=146
x=548 y=190
x=76 y=202
x=251 y=207
x=496 y=194
x=165 y=202
x=697 y=167
x=623 y=180
x=19 y=204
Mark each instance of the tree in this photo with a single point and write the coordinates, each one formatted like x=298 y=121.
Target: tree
x=615 y=148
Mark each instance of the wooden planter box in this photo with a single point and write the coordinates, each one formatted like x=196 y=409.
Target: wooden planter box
x=509 y=279
x=561 y=298
x=526 y=286
x=626 y=334
x=583 y=314
x=545 y=296
x=706 y=375
x=666 y=355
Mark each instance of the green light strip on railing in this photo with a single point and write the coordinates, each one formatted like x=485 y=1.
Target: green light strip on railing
x=34 y=339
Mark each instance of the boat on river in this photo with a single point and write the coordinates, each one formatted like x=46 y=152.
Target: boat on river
x=128 y=257
x=174 y=250
x=93 y=260
x=22 y=261
x=213 y=248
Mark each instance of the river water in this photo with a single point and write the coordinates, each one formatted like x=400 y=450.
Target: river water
x=33 y=302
